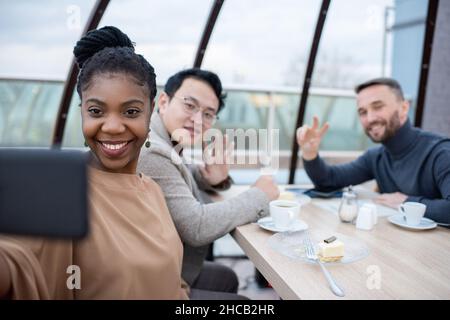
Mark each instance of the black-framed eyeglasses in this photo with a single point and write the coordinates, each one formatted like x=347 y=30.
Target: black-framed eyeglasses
x=191 y=108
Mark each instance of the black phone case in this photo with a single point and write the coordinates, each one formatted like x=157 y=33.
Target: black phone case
x=43 y=192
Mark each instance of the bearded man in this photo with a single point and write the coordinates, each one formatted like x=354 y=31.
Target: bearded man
x=409 y=165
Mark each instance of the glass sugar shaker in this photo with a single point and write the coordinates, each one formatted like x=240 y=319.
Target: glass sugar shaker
x=348 y=209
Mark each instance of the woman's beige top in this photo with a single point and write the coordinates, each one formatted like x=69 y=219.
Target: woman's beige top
x=132 y=251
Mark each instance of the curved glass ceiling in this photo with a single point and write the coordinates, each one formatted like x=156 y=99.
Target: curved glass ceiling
x=38 y=37
x=166 y=33
x=353 y=44
x=256 y=43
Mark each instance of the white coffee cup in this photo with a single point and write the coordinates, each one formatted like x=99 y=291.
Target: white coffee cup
x=413 y=212
x=365 y=220
x=284 y=212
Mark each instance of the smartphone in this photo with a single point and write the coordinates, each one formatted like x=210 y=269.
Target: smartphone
x=296 y=190
x=43 y=192
x=315 y=193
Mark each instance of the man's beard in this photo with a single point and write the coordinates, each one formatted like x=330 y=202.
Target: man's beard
x=391 y=127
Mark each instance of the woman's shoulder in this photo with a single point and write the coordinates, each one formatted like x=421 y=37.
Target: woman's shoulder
x=147 y=180
x=150 y=184
x=155 y=160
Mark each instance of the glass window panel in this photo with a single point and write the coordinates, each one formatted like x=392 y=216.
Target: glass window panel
x=73 y=135
x=38 y=39
x=352 y=44
x=166 y=33
x=408 y=31
x=27 y=111
x=249 y=109
x=258 y=43
x=38 y=36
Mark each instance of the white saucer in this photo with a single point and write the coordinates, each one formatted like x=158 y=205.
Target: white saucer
x=267 y=223
x=425 y=223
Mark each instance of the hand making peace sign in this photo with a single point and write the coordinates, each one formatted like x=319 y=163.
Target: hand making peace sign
x=309 y=138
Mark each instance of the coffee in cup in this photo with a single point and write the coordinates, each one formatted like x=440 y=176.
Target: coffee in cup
x=284 y=212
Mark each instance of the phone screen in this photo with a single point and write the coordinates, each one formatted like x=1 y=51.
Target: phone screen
x=296 y=190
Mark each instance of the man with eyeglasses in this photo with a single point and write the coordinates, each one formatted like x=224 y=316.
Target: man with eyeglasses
x=187 y=109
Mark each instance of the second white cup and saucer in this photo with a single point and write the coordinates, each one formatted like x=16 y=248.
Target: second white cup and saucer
x=284 y=216
x=411 y=216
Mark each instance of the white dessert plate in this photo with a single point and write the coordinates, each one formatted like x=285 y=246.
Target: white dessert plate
x=291 y=245
x=268 y=224
x=425 y=223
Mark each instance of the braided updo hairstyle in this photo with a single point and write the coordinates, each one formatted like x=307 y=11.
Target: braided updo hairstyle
x=109 y=50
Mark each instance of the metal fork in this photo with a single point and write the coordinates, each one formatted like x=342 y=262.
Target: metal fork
x=311 y=254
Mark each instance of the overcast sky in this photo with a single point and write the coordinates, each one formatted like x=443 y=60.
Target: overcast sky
x=255 y=42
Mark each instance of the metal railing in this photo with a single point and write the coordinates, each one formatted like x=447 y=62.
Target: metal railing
x=28 y=109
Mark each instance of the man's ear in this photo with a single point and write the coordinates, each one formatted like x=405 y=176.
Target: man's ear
x=405 y=108
x=163 y=102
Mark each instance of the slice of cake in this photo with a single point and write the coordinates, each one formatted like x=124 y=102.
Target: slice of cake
x=330 y=250
x=286 y=195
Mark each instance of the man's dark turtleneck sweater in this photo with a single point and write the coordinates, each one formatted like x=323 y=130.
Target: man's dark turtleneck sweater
x=413 y=162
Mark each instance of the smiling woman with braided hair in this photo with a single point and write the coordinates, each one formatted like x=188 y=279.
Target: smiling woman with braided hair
x=133 y=250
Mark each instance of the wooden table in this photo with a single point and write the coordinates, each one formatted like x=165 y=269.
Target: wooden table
x=402 y=264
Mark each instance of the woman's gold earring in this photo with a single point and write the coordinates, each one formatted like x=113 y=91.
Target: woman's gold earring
x=147 y=143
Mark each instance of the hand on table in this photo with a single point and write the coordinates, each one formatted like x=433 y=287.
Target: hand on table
x=392 y=200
